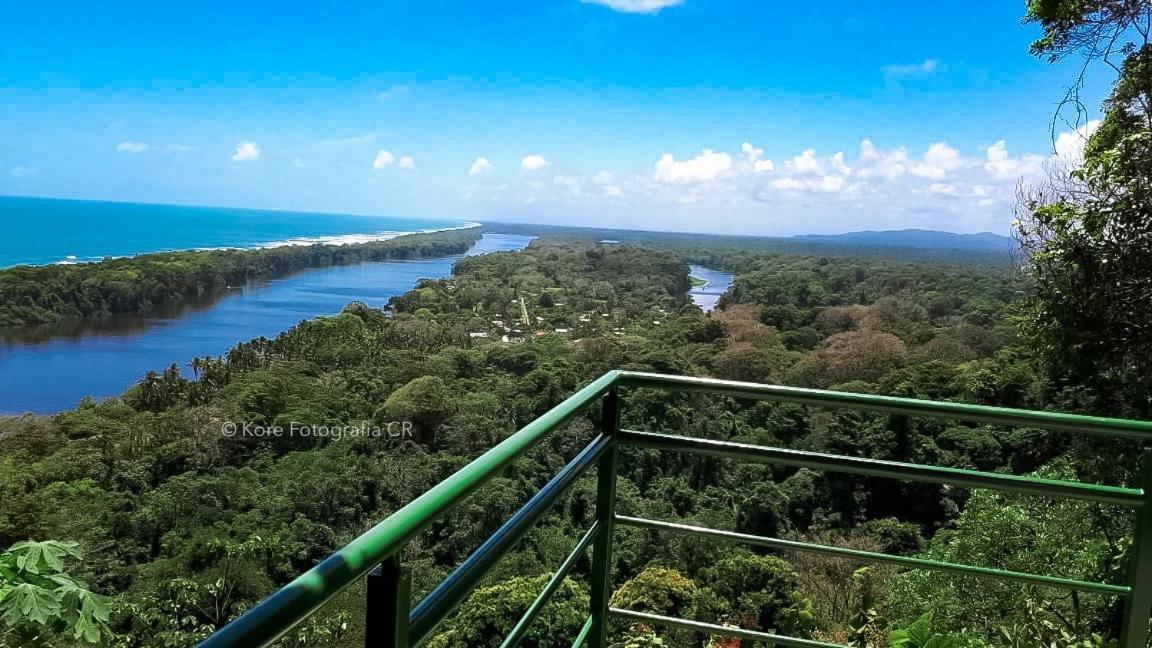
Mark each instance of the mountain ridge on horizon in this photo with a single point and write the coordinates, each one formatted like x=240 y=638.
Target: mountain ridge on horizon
x=915 y=237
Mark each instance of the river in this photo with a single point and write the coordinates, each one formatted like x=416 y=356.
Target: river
x=49 y=369
x=717 y=283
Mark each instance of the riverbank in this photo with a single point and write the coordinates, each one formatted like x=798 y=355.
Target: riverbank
x=31 y=295
x=46 y=369
x=707 y=286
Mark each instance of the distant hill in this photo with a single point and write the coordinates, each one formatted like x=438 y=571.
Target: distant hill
x=915 y=238
x=909 y=244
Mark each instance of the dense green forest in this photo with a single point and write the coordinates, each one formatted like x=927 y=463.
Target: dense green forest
x=50 y=293
x=935 y=246
x=143 y=521
x=185 y=526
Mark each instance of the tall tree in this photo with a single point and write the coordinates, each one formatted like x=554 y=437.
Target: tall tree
x=1088 y=233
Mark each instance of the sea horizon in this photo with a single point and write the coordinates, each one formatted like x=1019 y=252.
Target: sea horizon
x=46 y=231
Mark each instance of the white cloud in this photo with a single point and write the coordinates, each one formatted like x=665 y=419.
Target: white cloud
x=533 y=162
x=997 y=155
x=805 y=164
x=885 y=164
x=383 y=159
x=705 y=167
x=763 y=166
x=1003 y=166
x=938 y=161
x=21 y=171
x=480 y=165
x=131 y=147
x=753 y=155
x=407 y=162
x=246 y=152
x=791 y=184
x=1070 y=145
x=831 y=183
x=636 y=6
x=937 y=186
x=921 y=70
x=838 y=164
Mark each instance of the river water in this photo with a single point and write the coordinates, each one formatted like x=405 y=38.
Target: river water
x=707 y=295
x=48 y=369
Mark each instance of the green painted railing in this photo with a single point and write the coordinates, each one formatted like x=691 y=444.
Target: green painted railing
x=392 y=622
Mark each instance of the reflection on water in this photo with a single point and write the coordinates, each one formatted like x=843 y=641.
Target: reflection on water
x=115 y=324
x=49 y=368
x=707 y=295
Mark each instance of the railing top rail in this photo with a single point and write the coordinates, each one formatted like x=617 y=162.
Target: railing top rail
x=293 y=603
x=1095 y=425
x=1056 y=488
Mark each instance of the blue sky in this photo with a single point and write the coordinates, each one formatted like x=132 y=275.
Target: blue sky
x=750 y=116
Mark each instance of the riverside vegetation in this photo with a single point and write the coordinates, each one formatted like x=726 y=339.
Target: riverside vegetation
x=51 y=293
x=182 y=527
x=151 y=528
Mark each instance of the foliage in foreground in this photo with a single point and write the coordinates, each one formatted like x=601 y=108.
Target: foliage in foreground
x=41 y=604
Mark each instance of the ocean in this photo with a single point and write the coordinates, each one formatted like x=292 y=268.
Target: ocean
x=46 y=369
x=40 y=231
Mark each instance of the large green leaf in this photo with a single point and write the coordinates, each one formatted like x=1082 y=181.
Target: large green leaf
x=28 y=602
x=43 y=557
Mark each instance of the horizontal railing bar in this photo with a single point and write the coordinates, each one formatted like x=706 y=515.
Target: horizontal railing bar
x=457 y=585
x=285 y=608
x=1112 y=427
x=293 y=603
x=521 y=628
x=1132 y=498
x=871 y=556
x=699 y=626
x=583 y=636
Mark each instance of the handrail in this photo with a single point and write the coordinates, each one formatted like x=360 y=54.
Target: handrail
x=1127 y=497
x=293 y=603
x=1058 y=421
x=453 y=589
x=872 y=556
x=381 y=545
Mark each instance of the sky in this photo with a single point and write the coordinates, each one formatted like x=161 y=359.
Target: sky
x=728 y=116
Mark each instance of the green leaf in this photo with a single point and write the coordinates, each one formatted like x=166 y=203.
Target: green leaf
x=27 y=602
x=43 y=557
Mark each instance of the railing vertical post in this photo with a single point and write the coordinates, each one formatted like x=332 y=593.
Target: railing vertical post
x=1138 y=605
x=605 y=513
x=389 y=603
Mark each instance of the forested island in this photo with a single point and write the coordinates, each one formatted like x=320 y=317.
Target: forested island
x=51 y=293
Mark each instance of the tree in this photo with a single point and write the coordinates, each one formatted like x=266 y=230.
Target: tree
x=855 y=355
x=40 y=603
x=1024 y=534
x=1088 y=235
x=657 y=590
x=493 y=610
x=763 y=592
x=423 y=402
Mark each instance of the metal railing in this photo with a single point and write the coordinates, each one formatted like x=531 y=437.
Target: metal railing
x=392 y=622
